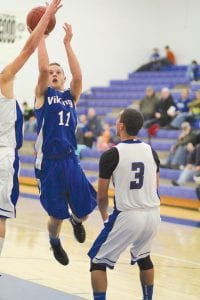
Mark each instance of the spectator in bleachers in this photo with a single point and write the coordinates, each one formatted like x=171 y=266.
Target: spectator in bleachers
x=104 y=140
x=194 y=107
x=191 y=169
x=168 y=60
x=158 y=62
x=27 y=111
x=182 y=109
x=170 y=56
x=94 y=128
x=155 y=55
x=179 y=151
x=192 y=72
x=153 y=64
x=155 y=60
x=147 y=105
x=164 y=110
x=81 y=129
x=30 y=126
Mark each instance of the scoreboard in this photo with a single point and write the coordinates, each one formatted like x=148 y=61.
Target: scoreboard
x=12 y=34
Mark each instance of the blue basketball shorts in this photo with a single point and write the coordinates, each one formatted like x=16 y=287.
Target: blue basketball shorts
x=64 y=188
x=9 y=184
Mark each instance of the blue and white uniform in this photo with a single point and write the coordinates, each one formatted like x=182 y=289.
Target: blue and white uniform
x=133 y=165
x=62 y=183
x=11 y=137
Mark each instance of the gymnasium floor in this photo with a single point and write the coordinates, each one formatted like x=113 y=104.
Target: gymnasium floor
x=27 y=263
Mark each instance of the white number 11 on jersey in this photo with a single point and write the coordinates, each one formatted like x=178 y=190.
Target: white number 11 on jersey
x=62 y=121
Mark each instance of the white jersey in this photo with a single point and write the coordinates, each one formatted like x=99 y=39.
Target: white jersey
x=11 y=123
x=134 y=178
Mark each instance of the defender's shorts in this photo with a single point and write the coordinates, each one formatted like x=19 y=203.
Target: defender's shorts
x=64 y=186
x=9 y=185
x=135 y=228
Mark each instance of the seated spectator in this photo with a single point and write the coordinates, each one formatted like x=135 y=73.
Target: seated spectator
x=170 y=56
x=154 y=59
x=30 y=126
x=182 y=110
x=81 y=129
x=192 y=168
x=164 y=110
x=147 y=105
x=94 y=128
x=194 y=107
x=168 y=60
x=192 y=72
x=152 y=65
x=27 y=111
x=104 y=140
x=179 y=152
x=155 y=55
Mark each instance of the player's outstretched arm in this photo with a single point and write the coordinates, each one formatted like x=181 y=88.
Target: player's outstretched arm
x=76 y=83
x=43 y=79
x=31 y=44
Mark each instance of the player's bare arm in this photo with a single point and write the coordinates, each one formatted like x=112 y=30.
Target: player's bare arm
x=9 y=72
x=76 y=83
x=43 y=79
x=102 y=197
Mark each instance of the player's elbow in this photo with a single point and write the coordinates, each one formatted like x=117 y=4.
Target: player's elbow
x=44 y=70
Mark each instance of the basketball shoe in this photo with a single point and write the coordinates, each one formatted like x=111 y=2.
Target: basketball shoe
x=79 y=230
x=59 y=253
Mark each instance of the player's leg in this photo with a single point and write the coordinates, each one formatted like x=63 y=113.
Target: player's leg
x=78 y=228
x=52 y=187
x=106 y=250
x=9 y=188
x=98 y=281
x=81 y=198
x=2 y=232
x=54 y=227
x=148 y=222
x=146 y=277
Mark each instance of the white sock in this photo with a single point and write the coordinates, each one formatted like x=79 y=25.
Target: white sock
x=1 y=244
x=76 y=219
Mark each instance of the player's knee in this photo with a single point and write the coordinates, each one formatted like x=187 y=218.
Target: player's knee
x=145 y=263
x=97 y=267
x=84 y=218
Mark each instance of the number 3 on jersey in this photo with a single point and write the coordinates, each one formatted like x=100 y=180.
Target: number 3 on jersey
x=138 y=170
x=64 y=121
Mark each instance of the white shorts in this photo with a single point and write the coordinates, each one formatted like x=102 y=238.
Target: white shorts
x=9 y=185
x=135 y=228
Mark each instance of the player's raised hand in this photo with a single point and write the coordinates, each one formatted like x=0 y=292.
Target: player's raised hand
x=53 y=7
x=68 y=34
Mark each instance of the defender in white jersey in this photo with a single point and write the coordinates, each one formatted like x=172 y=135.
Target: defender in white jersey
x=11 y=123
x=134 y=167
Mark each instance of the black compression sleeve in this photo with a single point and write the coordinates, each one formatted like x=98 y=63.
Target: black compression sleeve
x=108 y=163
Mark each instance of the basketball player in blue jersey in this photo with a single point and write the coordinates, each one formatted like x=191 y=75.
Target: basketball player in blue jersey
x=65 y=193
x=134 y=167
x=11 y=123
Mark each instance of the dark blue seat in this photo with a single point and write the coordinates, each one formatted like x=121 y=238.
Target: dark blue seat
x=180 y=192
x=27 y=159
x=89 y=165
x=90 y=153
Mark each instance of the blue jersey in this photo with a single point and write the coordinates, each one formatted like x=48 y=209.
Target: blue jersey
x=57 y=121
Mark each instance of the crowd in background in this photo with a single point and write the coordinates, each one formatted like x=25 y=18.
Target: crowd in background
x=160 y=110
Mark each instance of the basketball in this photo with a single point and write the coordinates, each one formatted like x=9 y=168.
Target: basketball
x=34 y=17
